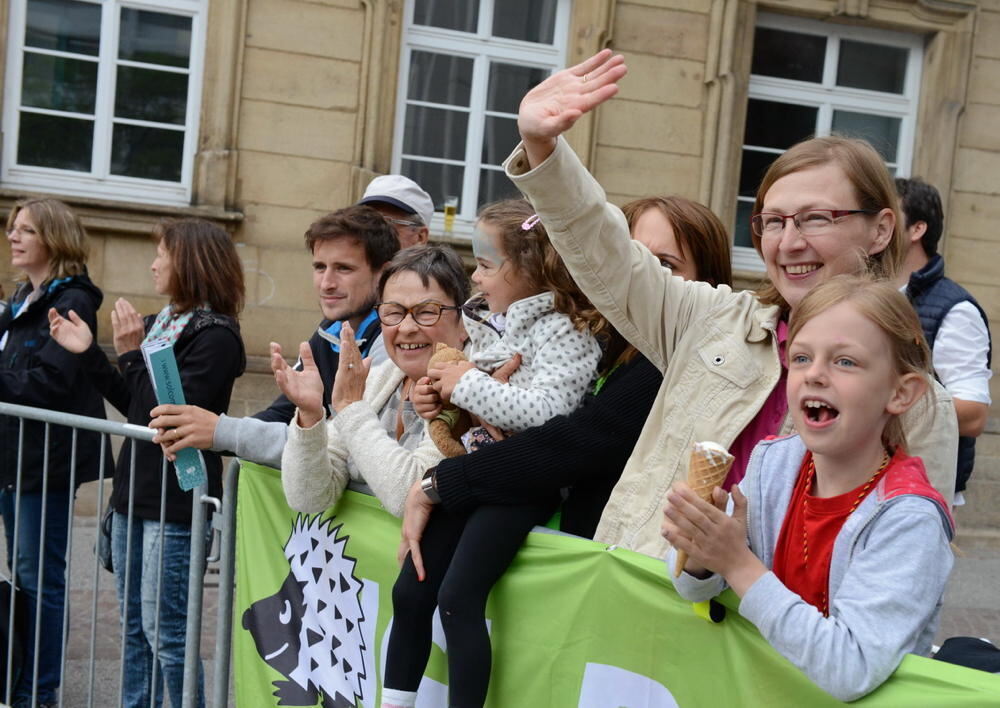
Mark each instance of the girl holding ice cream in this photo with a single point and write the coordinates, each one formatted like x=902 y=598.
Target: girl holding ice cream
x=838 y=544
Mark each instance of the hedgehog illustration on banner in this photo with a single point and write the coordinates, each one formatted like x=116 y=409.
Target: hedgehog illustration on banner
x=310 y=630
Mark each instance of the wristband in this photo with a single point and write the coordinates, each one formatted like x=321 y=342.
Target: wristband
x=428 y=485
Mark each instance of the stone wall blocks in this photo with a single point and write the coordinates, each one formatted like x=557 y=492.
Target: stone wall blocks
x=650 y=126
x=984 y=83
x=292 y=181
x=656 y=79
x=300 y=80
x=306 y=28
x=668 y=33
x=297 y=130
x=630 y=174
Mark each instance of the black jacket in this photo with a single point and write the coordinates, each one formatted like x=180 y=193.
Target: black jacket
x=585 y=451
x=36 y=371
x=210 y=356
x=327 y=360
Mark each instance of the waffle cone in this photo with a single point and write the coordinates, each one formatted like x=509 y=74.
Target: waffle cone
x=708 y=468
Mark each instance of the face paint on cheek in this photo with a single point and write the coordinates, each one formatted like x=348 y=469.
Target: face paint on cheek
x=484 y=248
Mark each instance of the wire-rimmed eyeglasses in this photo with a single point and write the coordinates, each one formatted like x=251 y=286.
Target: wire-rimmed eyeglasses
x=809 y=222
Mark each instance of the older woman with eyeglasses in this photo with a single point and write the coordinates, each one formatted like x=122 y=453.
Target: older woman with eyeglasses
x=374 y=436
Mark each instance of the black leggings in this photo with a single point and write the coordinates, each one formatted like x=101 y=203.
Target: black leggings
x=464 y=556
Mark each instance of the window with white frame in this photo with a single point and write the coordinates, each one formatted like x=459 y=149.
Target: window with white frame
x=464 y=67
x=101 y=98
x=817 y=78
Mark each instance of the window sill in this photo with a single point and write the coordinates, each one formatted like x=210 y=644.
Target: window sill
x=129 y=218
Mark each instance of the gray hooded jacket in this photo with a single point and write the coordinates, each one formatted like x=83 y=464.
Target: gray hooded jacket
x=888 y=572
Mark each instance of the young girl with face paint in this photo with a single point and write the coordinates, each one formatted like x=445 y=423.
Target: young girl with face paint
x=528 y=307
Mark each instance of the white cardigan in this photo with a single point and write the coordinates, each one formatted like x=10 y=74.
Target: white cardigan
x=314 y=469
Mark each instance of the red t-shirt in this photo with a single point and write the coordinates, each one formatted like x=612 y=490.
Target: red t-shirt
x=805 y=544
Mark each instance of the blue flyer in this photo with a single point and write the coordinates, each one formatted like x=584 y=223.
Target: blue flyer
x=162 y=367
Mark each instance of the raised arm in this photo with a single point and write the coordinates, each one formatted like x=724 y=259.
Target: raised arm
x=304 y=387
x=624 y=280
x=313 y=467
x=551 y=108
x=387 y=467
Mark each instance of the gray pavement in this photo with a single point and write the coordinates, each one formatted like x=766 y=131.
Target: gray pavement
x=100 y=649
x=972 y=600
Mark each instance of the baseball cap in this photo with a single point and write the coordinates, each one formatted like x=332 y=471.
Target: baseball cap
x=401 y=192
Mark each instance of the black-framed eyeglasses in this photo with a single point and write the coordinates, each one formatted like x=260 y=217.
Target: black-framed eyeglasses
x=424 y=314
x=405 y=222
x=809 y=222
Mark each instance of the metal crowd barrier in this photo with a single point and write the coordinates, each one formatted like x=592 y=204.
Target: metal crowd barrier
x=223 y=536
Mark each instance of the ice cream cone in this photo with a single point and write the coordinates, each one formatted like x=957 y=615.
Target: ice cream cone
x=710 y=464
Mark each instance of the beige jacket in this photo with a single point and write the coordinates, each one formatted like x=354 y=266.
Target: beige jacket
x=314 y=463
x=716 y=347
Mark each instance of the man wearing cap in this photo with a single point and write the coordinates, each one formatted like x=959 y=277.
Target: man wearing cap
x=349 y=247
x=404 y=205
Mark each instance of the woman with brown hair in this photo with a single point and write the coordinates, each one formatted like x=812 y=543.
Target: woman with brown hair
x=507 y=487
x=49 y=247
x=684 y=235
x=197 y=267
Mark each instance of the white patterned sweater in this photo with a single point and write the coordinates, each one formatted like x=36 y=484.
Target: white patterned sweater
x=558 y=362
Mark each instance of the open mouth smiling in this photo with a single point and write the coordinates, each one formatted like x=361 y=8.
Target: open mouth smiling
x=819 y=412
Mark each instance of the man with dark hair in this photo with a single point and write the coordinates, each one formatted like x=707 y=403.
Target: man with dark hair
x=954 y=324
x=349 y=249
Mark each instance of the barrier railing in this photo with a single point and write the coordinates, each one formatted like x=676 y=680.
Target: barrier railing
x=197 y=560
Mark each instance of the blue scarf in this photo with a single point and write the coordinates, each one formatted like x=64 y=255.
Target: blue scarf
x=335 y=328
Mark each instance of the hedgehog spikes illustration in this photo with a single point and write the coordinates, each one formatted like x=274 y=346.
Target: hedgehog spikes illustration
x=310 y=630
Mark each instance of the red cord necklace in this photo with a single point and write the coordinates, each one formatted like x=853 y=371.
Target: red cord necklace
x=810 y=473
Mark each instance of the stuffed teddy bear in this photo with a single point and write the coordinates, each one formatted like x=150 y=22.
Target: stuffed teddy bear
x=451 y=423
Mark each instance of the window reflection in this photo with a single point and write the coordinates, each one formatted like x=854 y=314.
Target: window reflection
x=147 y=94
x=64 y=25
x=154 y=38
x=58 y=83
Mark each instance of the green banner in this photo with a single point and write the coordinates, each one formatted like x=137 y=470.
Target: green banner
x=572 y=622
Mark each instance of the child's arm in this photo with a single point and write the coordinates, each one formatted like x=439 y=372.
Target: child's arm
x=886 y=600
x=716 y=543
x=561 y=370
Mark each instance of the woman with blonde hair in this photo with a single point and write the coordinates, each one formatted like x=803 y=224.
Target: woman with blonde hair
x=49 y=248
x=826 y=206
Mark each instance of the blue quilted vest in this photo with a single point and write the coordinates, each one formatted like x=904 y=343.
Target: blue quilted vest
x=933 y=295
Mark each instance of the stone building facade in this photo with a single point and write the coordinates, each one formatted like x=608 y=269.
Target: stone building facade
x=291 y=106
